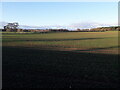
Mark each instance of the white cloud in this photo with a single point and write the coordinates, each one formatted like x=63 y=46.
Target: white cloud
x=2 y=24
x=74 y=26
x=88 y=25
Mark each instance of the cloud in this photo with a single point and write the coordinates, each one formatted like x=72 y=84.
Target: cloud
x=88 y=25
x=30 y=27
x=73 y=26
x=2 y=24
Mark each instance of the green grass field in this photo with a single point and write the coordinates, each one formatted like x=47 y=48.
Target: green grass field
x=60 y=60
x=92 y=42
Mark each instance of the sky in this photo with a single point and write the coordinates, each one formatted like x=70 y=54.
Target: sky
x=61 y=14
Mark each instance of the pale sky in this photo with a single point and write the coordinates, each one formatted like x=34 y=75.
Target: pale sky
x=60 y=13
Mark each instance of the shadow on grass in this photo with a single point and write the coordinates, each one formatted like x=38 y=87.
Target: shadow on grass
x=94 y=49
x=29 y=68
x=16 y=39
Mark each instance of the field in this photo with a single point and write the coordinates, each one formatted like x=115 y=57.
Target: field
x=96 y=42
x=64 y=59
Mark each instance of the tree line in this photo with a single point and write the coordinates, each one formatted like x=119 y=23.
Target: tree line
x=13 y=27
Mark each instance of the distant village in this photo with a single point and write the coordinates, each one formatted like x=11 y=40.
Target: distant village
x=13 y=27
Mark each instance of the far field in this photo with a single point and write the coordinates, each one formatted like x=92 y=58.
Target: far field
x=92 y=42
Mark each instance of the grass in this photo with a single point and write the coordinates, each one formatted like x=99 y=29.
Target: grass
x=60 y=60
x=64 y=40
x=31 y=68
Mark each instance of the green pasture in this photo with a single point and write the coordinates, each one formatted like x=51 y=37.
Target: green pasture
x=60 y=60
x=73 y=41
